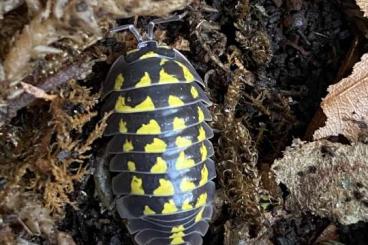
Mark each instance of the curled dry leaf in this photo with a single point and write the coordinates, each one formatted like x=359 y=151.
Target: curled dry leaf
x=8 y=5
x=363 y=4
x=22 y=49
x=69 y=19
x=126 y=9
x=346 y=105
x=330 y=233
x=327 y=179
x=53 y=34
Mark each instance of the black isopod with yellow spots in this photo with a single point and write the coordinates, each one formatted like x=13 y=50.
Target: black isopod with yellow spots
x=160 y=151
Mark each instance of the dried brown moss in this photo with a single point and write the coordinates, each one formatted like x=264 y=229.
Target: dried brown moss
x=237 y=159
x=43 y=156
x=236 y=152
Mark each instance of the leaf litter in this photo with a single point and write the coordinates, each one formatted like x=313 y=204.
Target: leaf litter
x=346 y=105
x=259 y=80
x=326 y=177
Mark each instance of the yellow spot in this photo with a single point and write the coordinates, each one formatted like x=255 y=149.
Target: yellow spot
x=144 y=82
x=156 y=146
x=186 y=185
x=182 y=142
x=177 y=234
x=146 y=105
x=179 y=123
x=169 y=207
x=128 y=146
x=160 y=166
x=194 y=92
x=177 y=240
x=201 y=134
x=120 y=104
x=149 y=55
x=204 y=175
x=201 y=200
x=166 y=188
x=175 y=101
x=183 y=162
x=200 y=115
x=199 y=216
x=187 y=74
x=150 y=128
x=204 y=152
x=187 y=205
x=163 y=61
x=166 y=77
x=119 y=80
x=136 y=186
x=148 y=210
x=122 y=126
x=177 y=228
x=131 y=166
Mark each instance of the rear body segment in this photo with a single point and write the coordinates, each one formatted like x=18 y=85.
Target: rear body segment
x=159 y=150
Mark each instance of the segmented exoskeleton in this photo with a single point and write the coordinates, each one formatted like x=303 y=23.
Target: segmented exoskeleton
x=160 y=149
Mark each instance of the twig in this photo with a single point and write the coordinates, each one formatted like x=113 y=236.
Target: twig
x=74 y=71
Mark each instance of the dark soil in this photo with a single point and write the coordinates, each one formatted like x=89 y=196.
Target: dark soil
x=92 y=224
x=301 y=230
x=309 y=40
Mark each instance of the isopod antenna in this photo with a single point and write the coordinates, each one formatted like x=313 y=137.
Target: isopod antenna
x=150 y=28
x=131 y=28
x=153 y=23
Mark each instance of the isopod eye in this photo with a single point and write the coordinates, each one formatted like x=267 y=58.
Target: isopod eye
x=159 y=151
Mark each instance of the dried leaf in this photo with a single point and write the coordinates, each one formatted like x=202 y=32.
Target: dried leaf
x=38 y=32
x=327 y=179
x=346 y=105
x=330 y=233
x=69 y=19
x=6 y=6
x=363 y=4
x=126 y=9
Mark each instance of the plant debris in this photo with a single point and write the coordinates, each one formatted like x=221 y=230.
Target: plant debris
x=237 y=172
x=47 y=161
x=267 y=64
x=327 y=179
x=346 y=105
x=39 y=39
